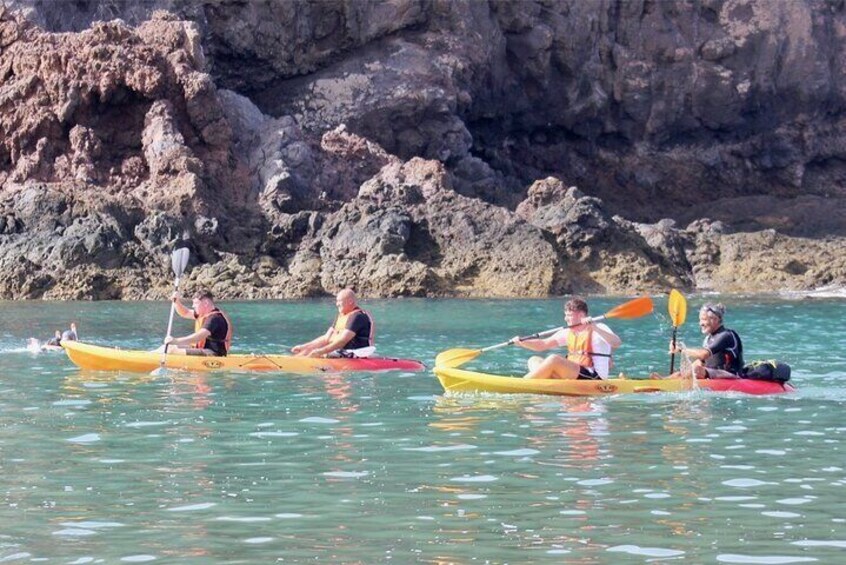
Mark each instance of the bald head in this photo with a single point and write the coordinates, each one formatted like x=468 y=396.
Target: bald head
x=345 y=301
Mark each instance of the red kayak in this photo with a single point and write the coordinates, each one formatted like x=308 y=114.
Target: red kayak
x=747 y=386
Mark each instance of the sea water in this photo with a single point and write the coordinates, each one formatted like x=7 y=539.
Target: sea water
x=376 y=468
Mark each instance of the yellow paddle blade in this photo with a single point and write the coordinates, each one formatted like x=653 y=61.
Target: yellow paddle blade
x=632 y=309
x=456 y=357
x=677 y=307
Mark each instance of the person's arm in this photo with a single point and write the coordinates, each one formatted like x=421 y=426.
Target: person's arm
x=537 y=344
x=181 y=309
x=188 y=340
x=698 y=353
x=723 y=344
x=308 y=347
x=608 y=336
x=338 y=342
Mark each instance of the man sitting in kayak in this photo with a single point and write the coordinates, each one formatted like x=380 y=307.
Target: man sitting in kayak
x=721 y=354
x=589 y=347
x=350 y=335
x=212 y=329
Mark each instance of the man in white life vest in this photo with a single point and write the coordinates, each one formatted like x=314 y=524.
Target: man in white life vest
x=589 y=346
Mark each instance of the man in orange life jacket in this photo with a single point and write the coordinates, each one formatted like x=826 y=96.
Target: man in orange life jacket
x=351 y=335
x=589 y=347
x=212 y=328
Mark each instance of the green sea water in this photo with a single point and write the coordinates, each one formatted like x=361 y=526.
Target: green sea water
x=377 y=468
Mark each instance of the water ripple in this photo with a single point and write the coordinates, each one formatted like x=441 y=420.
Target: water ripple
x=192 y=507
x=85 y=438
x=645 y=551
x=346 y=474
x=763 y=559
x=745 y=483
x=441 y=448
x=319 y=420
x=820 y=543
x=518 y=452
x=474 y=479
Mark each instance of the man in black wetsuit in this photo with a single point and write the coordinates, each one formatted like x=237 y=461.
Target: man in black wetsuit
x=721 y=354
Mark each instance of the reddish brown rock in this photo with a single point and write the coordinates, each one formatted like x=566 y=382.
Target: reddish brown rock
x=385 y=144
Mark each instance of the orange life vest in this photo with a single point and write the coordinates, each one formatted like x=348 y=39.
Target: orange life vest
x=341 y=324
x=580 y=347
x=198 y=325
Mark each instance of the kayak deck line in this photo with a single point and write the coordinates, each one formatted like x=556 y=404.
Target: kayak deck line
x=99 y=358
x=461 y=380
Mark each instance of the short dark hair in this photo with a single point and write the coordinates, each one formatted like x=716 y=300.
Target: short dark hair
x=576 y=305
x=203 y=293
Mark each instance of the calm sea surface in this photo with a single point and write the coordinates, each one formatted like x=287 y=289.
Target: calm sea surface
x=373 y=468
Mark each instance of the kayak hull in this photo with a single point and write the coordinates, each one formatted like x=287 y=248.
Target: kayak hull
x=460 y=380
x=97 y=358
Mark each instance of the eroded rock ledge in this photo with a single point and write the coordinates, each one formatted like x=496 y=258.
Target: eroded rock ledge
x=429 y=153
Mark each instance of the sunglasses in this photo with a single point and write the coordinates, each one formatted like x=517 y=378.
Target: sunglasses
x=712 y=311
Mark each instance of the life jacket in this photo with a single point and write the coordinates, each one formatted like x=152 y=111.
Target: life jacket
x=580 y=347
x=198 y=325
x=341 y=325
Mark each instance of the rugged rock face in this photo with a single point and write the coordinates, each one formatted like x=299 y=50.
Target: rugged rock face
x=421 y=147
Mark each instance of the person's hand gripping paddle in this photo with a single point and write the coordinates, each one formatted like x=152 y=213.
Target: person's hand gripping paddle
x=178 y=261
x=677 y=307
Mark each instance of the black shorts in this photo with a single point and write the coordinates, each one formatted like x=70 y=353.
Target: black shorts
x=588 y=374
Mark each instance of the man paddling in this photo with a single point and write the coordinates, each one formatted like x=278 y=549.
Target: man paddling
x=589 y=347
x=350 y=335
x=721 y=354
x=212 y=328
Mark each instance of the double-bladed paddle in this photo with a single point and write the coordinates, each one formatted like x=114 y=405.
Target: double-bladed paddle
x=178 y=261
x=628 y=310
x=677 y=307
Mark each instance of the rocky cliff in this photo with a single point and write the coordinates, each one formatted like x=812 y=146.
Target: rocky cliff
x=421 y=147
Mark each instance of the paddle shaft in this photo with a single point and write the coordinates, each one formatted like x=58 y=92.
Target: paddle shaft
x=673 y=352
x=541 y=334
x=178 y=262
x=170 y=321
x=677 y=307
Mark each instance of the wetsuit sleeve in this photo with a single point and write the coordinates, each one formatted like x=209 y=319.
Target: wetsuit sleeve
x=724 y=342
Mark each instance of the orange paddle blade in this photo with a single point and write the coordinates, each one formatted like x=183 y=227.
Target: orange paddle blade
x=677 y=307
x=632 y=309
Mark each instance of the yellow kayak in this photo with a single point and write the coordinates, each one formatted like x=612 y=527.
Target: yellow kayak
x=461 y=380
x=97 y=358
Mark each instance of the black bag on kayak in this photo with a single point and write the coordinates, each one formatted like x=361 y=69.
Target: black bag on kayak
x=774 y=371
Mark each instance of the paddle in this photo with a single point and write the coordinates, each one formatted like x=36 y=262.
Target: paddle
x=678 y=311
x=178 y=261
x=628 y=310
